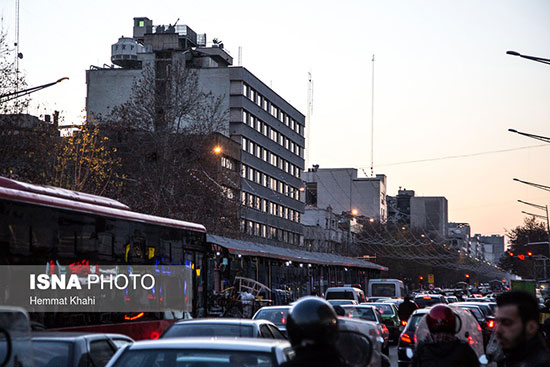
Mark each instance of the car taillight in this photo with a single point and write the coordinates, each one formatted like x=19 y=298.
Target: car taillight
x=491 y=324
x=403 y=323
x=385 y=329
x=471 y=340
x=155 y=335
x=406 y=338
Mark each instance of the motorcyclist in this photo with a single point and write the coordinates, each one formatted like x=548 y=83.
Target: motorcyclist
x=406 y=309
x=444 y=349
x=312 y=328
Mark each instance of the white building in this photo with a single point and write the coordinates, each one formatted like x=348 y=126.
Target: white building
x=343 y=191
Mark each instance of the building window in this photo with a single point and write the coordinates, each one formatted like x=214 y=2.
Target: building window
x=311 y=193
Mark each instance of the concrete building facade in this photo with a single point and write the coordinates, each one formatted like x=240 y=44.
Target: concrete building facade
x=343 y=191
x=493 y=247
x=430 y=213
x=269 y=130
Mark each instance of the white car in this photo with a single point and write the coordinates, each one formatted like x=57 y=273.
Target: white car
x=192 y=352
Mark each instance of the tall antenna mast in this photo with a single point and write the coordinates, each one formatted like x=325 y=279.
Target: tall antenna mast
x=16 y=45
x=308 y=118
x=372 y=124
x=240 y=59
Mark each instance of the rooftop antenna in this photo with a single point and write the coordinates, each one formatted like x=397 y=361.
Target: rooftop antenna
x=372 y=124
x=17 y=54
x=240 y=62
x=308 y=118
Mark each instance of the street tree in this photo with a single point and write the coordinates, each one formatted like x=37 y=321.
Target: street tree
x=521 y=256
x=165 y=133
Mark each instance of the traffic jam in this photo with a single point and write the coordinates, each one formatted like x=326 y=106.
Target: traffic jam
x=383 y=326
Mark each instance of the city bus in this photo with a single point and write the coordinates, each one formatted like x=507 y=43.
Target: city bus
x=43 y=225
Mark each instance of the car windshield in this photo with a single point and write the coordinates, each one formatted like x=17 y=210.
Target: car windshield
x=194 y=358
x=412 y=324
x=425 y=301
x=52 y=353
x=208 y=329
x=277 y=316
x=340 y=295
x=385 y=309
x=383 y=290
x=477 y=313
x=363 y=313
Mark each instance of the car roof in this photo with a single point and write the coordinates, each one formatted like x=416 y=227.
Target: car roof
x=275 y=307
x=244 y=344
x=225 y=321
x=67 y=335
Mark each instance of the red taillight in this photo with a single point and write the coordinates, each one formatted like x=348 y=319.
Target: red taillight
x=406 y=338
x=155 y=335
x=471 y=340
x=385 y=329
x=491 y=324
x=403 y=323
x=414 y=338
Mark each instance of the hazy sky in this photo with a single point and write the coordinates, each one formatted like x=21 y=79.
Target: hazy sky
x=443 y=83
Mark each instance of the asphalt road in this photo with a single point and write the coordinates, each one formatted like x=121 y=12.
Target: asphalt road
x=393 y=356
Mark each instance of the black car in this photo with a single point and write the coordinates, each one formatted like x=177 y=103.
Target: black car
x=427 y=300
x=66 y=349
x=408 y=337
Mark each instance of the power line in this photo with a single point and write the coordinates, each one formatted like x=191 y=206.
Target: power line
x=461 y=155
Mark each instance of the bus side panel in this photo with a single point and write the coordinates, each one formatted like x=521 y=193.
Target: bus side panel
x=142 y=330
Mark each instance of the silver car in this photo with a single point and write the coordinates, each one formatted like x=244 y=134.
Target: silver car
x=193 y=352
x=234 y=328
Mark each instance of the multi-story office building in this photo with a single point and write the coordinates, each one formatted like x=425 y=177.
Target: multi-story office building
x=269 y=130
x=343 y=191
x=459 y=236
x=429 y=213
x=494 y=247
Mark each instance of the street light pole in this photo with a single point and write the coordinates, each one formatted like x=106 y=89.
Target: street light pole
x=13 y=95
x=538 y=137
x=533 y=58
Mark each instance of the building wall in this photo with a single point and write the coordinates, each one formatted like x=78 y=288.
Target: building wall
x=494 y=247
x=429 y=213
x=342 y=190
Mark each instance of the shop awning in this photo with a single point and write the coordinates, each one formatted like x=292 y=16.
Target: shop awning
x=249 y=248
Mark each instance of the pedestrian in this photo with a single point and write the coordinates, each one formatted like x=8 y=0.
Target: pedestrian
x=444 y=349
x=312 y=327
x=517 y=331
x=406 y=309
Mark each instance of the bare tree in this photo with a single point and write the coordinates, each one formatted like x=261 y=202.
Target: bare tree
x=165 y=133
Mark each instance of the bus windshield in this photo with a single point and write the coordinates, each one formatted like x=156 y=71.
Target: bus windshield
x=383 y=290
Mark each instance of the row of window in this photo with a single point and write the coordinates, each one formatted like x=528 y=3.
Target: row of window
x=265 y=180
x=272 y=134
x=273 y=110
x=261 y=230
x=262 y=153
x=266 y=206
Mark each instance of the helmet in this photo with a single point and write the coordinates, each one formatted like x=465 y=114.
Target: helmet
x=312 y=320
x=441 y=319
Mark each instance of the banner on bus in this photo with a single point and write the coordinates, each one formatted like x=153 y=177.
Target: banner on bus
x=82 y=287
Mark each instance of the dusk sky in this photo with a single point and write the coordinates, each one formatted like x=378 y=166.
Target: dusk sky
x=444 y=85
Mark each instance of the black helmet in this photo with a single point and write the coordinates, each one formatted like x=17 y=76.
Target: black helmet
x=312 y=320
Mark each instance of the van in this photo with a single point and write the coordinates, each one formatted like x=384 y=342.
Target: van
x=391 y=288
x=352 y=293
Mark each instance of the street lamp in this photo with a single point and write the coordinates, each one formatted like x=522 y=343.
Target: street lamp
x=217 y=149
x=538 y=137
x=13 y=95
x=533 y=58
x=538 y=186
x=354 y=212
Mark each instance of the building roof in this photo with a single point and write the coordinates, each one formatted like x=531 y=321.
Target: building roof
x=249 y=248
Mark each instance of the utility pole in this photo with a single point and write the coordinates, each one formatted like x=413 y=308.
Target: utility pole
x=308 y=118
x=372 y=124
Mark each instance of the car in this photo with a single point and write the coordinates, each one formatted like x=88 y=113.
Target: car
x=198 y=352
x=485 y=321
x=372 y=332
x=341 y=302
x=425 y=300
x=276 y=314
x=370 y=313
x=451 y=299
x=377 y=299
x=391 y=319
x=408 y=337
x=235 y=328
x=73 y=349
x=352 y=293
